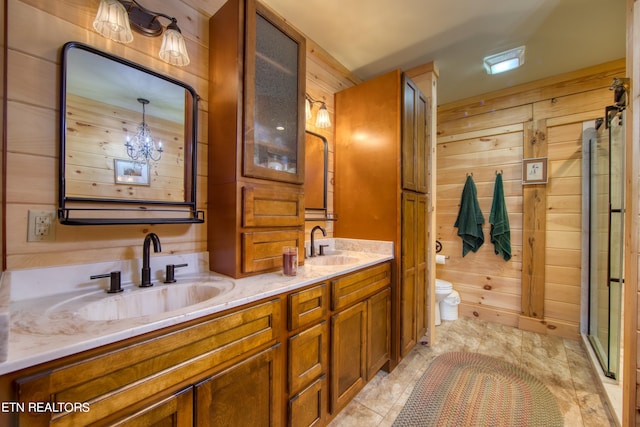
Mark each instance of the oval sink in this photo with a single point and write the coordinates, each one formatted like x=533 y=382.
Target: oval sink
x=156 y=300
x=331 y=260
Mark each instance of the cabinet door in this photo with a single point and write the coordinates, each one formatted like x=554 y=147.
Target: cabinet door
x=246 y=394
x=409 y=273
x=414 y=292
x=348 y=355
x=422 y=253
x=422 y=142
x=175 y=410
x=409 y=146
x=274 y=83
x=414 y=138
x=378 y=331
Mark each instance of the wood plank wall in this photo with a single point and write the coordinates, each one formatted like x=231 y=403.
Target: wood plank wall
x=37 y=30
x=485 y=135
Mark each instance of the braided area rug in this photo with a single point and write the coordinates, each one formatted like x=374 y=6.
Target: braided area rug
x=470 y=389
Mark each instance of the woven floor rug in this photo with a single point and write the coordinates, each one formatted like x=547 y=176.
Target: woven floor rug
x=469 y=389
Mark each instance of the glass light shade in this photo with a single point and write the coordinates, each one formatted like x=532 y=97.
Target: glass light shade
x=112 y=21
x=307 y=108
x=322 y=119
x=174 y=49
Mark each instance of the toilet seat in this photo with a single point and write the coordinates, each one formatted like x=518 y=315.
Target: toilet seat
x=442 y=286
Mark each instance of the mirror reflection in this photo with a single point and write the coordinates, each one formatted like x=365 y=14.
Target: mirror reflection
x=316 y=170
x=128 y=132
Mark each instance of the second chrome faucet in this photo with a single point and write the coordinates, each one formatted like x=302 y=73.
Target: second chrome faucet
x=146 y=247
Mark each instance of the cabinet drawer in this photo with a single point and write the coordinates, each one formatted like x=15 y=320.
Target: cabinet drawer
x=308 y=306
x=120 y=378
x=263 y=249
x=351 y=288
x=307 y=356
x=308 y=408
x=272 y=208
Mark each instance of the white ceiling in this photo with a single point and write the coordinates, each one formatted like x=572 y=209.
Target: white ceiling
x=371 y=37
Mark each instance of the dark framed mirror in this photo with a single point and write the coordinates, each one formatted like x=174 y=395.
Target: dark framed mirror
x=128 y=142
x=316 y=172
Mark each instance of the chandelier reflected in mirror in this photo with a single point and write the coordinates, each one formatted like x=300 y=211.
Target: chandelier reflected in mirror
x=142 y=148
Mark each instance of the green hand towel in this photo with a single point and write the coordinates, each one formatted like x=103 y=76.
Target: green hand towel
x=470 y=219
x=499 y=220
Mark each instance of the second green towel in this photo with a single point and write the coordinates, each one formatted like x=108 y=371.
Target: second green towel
x=499 y=220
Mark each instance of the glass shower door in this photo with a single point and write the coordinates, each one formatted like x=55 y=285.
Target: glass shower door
x=606 y=188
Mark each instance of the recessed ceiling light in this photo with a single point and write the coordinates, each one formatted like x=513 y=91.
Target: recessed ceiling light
x=504 y=61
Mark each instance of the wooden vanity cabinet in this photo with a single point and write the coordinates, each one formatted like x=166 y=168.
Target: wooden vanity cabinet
x=360 y=331
x=295 y=359
x=256 y=139
x=381 y=188
x=340 y=337
x=153 y=378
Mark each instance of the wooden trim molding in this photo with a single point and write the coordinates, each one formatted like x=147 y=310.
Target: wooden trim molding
x=534 y=208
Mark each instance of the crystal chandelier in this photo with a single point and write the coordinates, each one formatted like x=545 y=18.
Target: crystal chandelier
x=142 y=148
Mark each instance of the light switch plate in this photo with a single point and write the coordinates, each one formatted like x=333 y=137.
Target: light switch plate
x=42 y=226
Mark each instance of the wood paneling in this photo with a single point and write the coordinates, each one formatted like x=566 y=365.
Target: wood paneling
x=32 y=129
x=32 y=124
x=489 y=133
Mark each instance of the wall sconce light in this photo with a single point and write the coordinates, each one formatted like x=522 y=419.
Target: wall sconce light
x=322 y=119
x=142 y=148
x=116 y=17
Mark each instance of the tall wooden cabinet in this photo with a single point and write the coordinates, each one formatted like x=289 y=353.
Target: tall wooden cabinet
x=382 y=188
x=256 y=139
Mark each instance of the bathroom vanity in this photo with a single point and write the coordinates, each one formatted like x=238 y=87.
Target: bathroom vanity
x=264 y=350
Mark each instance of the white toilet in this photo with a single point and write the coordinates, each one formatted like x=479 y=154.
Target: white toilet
x=443 y=289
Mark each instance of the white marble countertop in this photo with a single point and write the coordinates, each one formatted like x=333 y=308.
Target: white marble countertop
x=44 y=328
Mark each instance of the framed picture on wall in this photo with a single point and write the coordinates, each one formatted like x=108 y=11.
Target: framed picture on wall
x=130 y=172
x=534 y=171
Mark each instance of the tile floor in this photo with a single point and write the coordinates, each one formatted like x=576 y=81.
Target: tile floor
x=562 y=365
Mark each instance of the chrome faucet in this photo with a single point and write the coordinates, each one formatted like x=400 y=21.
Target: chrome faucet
x=313 y=247
x=146 y=270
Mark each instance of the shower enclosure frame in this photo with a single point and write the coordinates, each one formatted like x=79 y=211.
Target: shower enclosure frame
x=604 y=160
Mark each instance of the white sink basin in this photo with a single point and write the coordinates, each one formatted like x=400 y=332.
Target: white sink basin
x=331 y=260
x=138 y=302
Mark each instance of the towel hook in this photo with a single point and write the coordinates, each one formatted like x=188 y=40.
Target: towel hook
x=499 y=172
x=470 y=174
